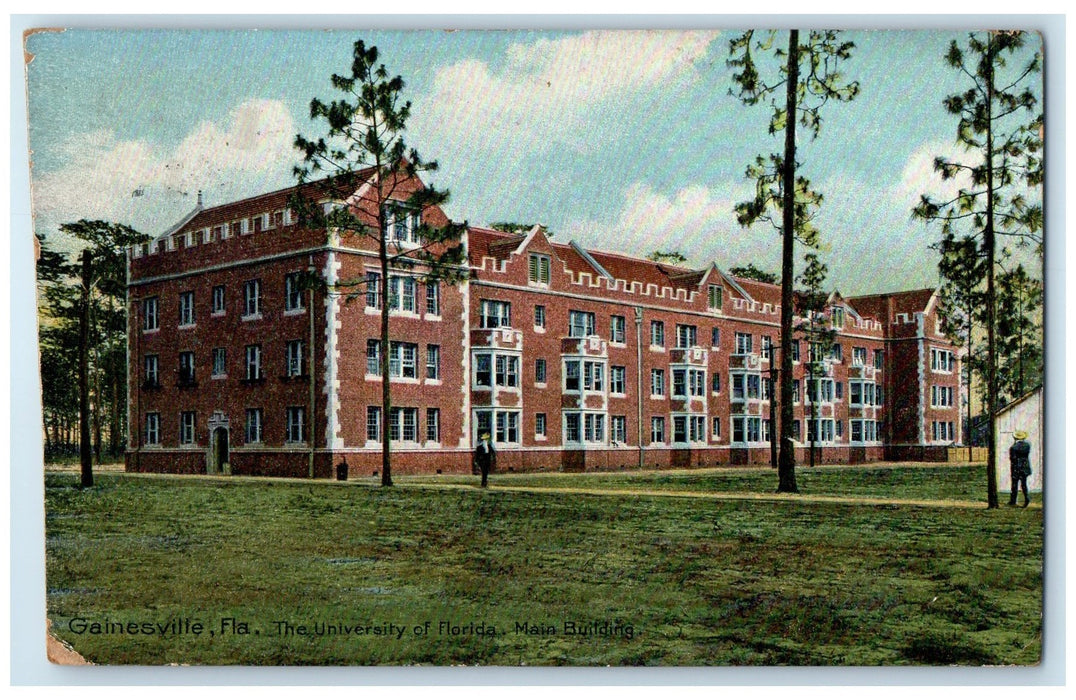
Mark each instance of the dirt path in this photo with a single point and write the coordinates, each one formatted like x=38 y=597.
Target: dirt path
x=723 y=496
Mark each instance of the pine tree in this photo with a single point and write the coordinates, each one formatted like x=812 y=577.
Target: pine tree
x=366 y=168
x=809 y=72
x=998 y=126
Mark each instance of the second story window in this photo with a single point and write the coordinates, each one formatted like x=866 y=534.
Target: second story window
x=657 y=382
x=433 y=362
x=253 y=362
x=859 y=357
x=153 y=366
x=294 y=358
x=580 y=324
x=495 y=314
x=617 y=327
x=539 y=316
x=402 y=294
x=538 y=269
x=153 y=429
x=150 y=321
x=657 y=334
x=252 y=298
x=433 y=298
x=218 y=299
x=686 y=336
x=373 y=290
x=744 y=344
x=186 y=308
x=879 y=359
x=767 y=347
x=539 y=371
x=220 y=368
x=293 y=293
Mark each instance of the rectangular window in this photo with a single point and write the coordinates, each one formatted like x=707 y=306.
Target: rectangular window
x=657 y=334
x=941 y=360
x=373 y=290
x=507 y=367
x=538 y=269
x=277 y=219
x=258 y=223
x=149 y=314
x=539 y=425
x=293 y=293
x=715 y=383
x=855 y=393
x=679 y=385
x=795 y=347
x=571 y=375
x=153 y=371
x=618 y=429
x=495 y=314
x=373 y=357
x=797 y=430
x=856 y=430
x=539 y=371
x=836 y=352
x=433 y=362
x=837 y=314
x=252 y=297
x=238 y=228
x=403 y=360
x=253 y=362
x=153 y=429
x=680 y=429
x=744 y=343
x=879 y=359
x=859 y=357
x=293 y=358
x=507 y=427
x=767 y=348
x=580 y=324
x=572 y=431
x=686 y=336
x=218 y=299
x=483 y=370
x=254 y=425
x=754 y=388
x=737 y=429
x=373 y=423
x=219 y=362
x=186 y=428
x=657 y=382
x=715 y=338
x=716 y=428
x=402 y=294
x=539 y=316
x=186 y=308
x=403 y=424
x=657 y=429
x=815 y=352
x=433 y=425
x=616 y=379
x=795 y=391
x=401 y=224
x=593 y=427
x=186 y=368
x=714 y=297
x=593 y=375
x=739 y=382
x=295 y=428
x=617 y=326
x=697 y=428
x=433 y=298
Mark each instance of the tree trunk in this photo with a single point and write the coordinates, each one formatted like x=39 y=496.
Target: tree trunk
x=991 y=294
x=786 y=469
x=85 y=458
x=386 y=396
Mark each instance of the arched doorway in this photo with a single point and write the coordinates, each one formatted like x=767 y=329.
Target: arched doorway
x=217 y=460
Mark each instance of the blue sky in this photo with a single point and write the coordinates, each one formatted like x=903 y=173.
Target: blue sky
x=623 y=141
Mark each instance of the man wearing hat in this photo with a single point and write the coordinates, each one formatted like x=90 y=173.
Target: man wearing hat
x=485 y=457
x=1019 y=465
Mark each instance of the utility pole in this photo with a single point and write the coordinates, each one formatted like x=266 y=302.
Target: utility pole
x=85 y=456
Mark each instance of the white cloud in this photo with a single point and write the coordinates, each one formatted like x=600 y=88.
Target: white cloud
x=546 y=91
x=697 y=221
x=250 y=153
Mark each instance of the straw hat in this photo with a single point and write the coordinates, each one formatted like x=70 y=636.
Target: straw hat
x=485 y=436
x=1020 y=435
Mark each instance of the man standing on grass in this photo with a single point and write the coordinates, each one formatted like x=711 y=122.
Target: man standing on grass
x=1019 y=465
x=485 y=457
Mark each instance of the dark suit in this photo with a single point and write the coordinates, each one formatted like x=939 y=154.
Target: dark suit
x=1019 y=469
x=485 y=458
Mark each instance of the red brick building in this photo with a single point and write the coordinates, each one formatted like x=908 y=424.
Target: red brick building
x=572 y=359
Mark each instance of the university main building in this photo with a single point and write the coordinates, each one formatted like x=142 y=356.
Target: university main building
x=570 y=358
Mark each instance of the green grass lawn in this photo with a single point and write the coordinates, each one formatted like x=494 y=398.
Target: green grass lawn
x=698 y=581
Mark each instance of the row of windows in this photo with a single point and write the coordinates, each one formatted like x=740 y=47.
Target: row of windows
x=254 y=425
x=403 y=360
x=403 y=294
x=941 y=396
x=942 y=431
x=403 y=424
x=294 y=351
x=252 y=302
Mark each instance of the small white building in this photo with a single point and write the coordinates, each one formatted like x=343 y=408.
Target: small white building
x=1025 y=414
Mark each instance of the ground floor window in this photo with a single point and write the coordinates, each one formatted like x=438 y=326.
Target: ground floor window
x=502 y=426
x=403 y=424
x=254 y=425
x=942 y=431
x=295 y=424
x=657 y=429
x=153 y=429
x=584 y=427
x=539 y=425
x=186 y=428
x=373 y=423
x=433 y=425
x=689 y=429
x=618 y=429
x=746 y=429
x=820 y=430
x=864 y=430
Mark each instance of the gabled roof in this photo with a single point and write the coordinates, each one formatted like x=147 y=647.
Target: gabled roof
x=881 y=305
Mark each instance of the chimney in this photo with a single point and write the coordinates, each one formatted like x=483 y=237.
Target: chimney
x=199 y=199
